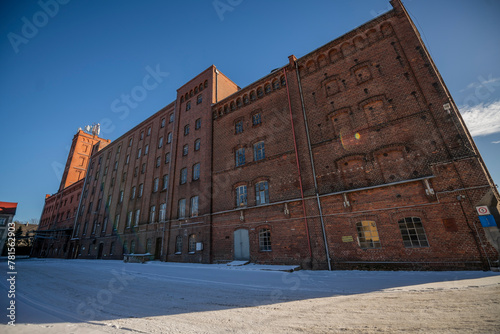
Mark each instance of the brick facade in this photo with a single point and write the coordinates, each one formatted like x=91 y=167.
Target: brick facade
x=353 y=156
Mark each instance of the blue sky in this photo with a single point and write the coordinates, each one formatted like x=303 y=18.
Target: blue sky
x=66 y=71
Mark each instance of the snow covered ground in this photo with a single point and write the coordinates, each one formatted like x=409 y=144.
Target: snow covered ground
x=96 y=296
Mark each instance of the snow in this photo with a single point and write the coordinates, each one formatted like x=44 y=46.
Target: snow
x=104 y=296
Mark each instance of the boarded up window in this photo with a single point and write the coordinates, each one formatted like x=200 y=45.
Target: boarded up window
x=375 y=112
x=362 y=74
x=450 y=225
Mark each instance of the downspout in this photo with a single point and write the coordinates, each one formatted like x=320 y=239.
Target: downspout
x=81 y=199
x=168 y=189
x=327 y=251
x=298 y=168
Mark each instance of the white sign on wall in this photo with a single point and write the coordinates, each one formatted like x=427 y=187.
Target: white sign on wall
x=483 y=210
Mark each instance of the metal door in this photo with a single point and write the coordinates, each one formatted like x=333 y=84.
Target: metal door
x=241 y=245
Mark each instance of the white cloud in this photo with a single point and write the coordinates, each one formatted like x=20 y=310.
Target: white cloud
x=483 y=119
x=496 y=142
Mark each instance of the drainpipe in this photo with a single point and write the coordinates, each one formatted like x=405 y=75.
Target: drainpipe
x=298 y=169
x=328 y=259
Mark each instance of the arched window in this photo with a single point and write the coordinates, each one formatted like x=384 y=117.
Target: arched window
x=260 y=92
x=232 y=106
x=241 y=196
x=182 y=99
x=192 y=244
x=201 y=87
x=238 y=103
x=261 y=193
x=267 y=88
x=367 y=234
x=283 y=81
x=206 y=83
x=265 y=240
x=245 y=99
x=178 y=244
x=413 y=233
x=196 y=90
x=252 y=96
x=276 y=84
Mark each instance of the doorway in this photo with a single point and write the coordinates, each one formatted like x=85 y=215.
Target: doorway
x=241 y=245
x=99 y=252
x=158 y=249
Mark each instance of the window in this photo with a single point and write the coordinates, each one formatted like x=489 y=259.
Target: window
x=171 y=118
x=196 y=172
x=276 y=84
x=178 y=244
x=108 y=203
x=184 y=174
x=116 y=165
x=132 y=247
x=241 y=196
x=139 y=151
x=143 y=168
x=127 y=159
x=141 y=188
x=129 y=219
x=160 y=142
x=163 y=121
x=152 y=212
x=104 y=224
x=245 y=99
x=267 y=88
x=185 y=149
x=252 y=96
x=258 y=151
x=260 y=92
x=131 y=140
x=367 y=234
x=283 y=81
x=111 y=248
x=167 y=158
x=132 y=194
x=199 y=99
x=197 y=144
x=261 y=193
x=240 y=157
x=105 y=171
x=197 y=124
x=158 y=162
x=165 y=182
x=156 y=183
x=142 y=135
x=149 y=243
x=163 y=211
x=186 y=130
x=256 y=119
x=169 y=138
x=116 y=223
x=413 y=232
x=192 y=244
x=188 y=105
x=146 y=150
x=137 y=215
x=121 y=196
x=149 y=131
x=238 y=127
x=182 y=208
x=194 y=206
x=136 y=170
x=265 y=240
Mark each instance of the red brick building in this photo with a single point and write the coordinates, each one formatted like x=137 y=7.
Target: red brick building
x=353 y=156
x=59 y=212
